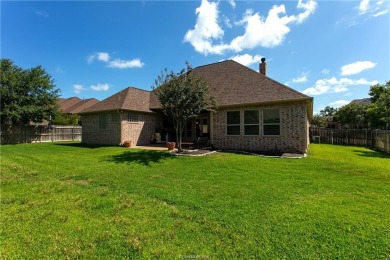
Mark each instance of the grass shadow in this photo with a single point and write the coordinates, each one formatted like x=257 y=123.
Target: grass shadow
x=372 y=153
x=82 y=145
x=144 y=157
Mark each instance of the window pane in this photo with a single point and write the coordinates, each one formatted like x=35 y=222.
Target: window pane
x=252 y=130
x=233 y=130
x=115 y=117
x=251 y=117
x=271 y=116
x=233 y=118
x=272 y=130
x=133 y=117
x=102 y=121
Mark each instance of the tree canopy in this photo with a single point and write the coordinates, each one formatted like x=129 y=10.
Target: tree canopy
x=182 y=96
x=379 y=109
x=26 y=94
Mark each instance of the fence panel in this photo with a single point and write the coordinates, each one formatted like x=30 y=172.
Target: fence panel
x=375 y=139
x=14 y=134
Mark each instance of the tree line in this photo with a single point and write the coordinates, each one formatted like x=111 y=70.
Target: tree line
x=375 y=114
x=29 y=95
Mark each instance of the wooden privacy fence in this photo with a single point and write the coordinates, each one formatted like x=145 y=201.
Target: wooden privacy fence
x=14 y=134
x=375 y=139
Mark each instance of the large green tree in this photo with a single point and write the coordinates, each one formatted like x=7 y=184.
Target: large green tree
x=352 y=115
x=26 y=94
x=379 y=109
x=182 y=96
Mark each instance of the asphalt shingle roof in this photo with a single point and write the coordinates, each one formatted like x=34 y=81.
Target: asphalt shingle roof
x=75 y=105
x=231 y=83
x=130 y=98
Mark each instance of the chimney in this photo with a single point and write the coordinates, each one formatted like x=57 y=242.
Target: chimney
x=263 y=67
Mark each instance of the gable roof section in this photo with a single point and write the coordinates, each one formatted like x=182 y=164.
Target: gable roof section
x=233 y=84
x=132 y=99
x=75 y=105
x=363 y=101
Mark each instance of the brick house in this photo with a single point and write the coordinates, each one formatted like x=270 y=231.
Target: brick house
x=254 y=112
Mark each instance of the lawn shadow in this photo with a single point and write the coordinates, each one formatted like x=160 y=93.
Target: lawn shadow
x=372 y=153
x=145 y=157
x=82 y=145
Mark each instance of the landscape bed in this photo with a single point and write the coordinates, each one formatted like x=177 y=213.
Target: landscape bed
x=67 y=200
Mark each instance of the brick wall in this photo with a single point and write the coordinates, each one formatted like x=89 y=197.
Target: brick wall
x=293 y=130
x=93 y=134
x=119 y=129
x=140 y=132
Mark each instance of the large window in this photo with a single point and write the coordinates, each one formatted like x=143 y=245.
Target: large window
x=233 y=123
x=132 y=117
x=102 y=121
x=115 y=117
x=251 y=122
x=271 y=121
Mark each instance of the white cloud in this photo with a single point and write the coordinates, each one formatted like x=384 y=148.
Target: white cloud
x=100 y=87
x=247 y=59
x=260 y=31
x=372 y=10
x=42 y=13
x=206 y=29
x=339 y=103
x=356 y=67
x=309 y=7
x=302 y=78
x=325 y=71
x=232 y=3
x=381 y=13
x=334 y=85
x=364 y=6
x=115 y=63
x=125 y=64
x=77 y=88
x=316 y=90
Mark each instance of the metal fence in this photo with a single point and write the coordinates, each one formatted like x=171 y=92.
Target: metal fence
x=15 y=134
x=375 y=139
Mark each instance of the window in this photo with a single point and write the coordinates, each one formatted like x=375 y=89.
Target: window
x=102 y=121
x=251 y=122
x=132 y=117
x=271 y=121
x=115 y=117
x=233 y=123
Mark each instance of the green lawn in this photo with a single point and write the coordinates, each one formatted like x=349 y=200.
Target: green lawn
x=66 y=200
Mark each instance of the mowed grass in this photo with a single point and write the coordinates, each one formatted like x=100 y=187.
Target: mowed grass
x=66 y=200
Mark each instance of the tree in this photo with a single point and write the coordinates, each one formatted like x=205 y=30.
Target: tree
x=379 y=109
x=328 y=111
x=353 y=115
x=182 y=96
x=26 y=95
x=66 y=119
x=319 y=121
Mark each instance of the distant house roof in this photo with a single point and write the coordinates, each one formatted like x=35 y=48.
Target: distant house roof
x=363 y=101
x=75 y=105
x=231 y=83
x=131 y=99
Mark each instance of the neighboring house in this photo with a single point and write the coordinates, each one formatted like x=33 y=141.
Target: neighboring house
x=75 y=105
x=362 y=102
x=254 y=113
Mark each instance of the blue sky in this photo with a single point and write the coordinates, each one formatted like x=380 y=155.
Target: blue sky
x=330 y=50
